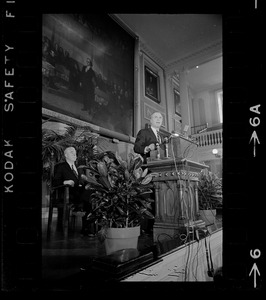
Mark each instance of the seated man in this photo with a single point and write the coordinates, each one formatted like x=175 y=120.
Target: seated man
x=66 y=173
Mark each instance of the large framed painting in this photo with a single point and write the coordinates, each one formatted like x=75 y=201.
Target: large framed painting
x=152 y=85
x=88 y=69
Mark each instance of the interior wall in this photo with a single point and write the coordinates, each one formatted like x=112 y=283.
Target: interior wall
x=147 y=105
x=108 y=144
x=205 y=107
x=166 y=106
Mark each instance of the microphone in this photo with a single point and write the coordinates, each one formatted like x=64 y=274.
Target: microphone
x=172 y=135
x=165 y=140
x=189 y=139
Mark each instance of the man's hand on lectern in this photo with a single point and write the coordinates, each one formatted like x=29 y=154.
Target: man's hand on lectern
x=149 y=148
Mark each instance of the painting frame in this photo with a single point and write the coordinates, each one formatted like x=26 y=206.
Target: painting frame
x=71 y=43
x=152 y=84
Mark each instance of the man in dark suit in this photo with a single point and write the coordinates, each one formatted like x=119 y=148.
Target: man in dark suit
x=149 y=139
x=67 y=173
x=88 y=84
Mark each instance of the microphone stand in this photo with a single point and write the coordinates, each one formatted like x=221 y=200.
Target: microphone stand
x=166 y=150
x=158 y=155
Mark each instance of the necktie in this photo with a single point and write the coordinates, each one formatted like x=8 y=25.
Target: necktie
x=158 y=137
x=74 y=171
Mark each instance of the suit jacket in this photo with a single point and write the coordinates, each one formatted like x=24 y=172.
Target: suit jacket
x=62 y=172
x=144 y=138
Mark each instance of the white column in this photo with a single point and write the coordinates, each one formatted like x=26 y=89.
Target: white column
x=137 y=110
x=186 y=107
x=169 y=103
x=184 y=99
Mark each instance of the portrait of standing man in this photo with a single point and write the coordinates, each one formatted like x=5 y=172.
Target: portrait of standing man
x=88 y=84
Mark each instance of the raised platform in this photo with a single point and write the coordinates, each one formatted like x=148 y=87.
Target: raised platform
x=117 y=266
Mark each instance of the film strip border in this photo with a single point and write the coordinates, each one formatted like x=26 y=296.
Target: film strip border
x=242 y=131
x=21 y=149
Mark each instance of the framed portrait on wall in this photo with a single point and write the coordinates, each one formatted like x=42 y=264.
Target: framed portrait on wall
x=177 y=102
x=88 y=69
x=151 y=85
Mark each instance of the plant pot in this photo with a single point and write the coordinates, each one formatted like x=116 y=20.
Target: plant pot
x=208 y=215
x=121 y=238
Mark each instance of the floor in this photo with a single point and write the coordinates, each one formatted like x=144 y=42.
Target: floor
x=63 y=260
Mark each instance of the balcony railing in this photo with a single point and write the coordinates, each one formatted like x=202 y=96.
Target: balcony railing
x=209 y=138
x=199 y=128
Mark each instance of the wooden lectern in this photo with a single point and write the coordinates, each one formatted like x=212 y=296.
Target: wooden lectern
x=176 y=193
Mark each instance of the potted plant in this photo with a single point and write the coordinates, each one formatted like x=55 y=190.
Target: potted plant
x=120 y=196
x=209 y=195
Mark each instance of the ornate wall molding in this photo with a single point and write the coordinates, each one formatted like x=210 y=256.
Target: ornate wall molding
x=209 y=51
x=173 y=175
x=100 y=130
x=151 y=54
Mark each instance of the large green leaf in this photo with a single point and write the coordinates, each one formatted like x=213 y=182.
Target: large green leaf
x=149 y=214
x=127 y=174
x=119 y=159
x=90 y=179
x=102 y=169
x=111 y=181
x=146 y=191
x=144 y=173
x=94 y=187
x=121 y=211
x=105 y=182
x=147 y=179
x=138 y=162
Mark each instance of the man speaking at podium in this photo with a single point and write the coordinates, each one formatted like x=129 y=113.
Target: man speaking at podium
x=149 y=139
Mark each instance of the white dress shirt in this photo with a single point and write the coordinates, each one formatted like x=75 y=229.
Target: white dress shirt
x=156 y=132
x=74 y=167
